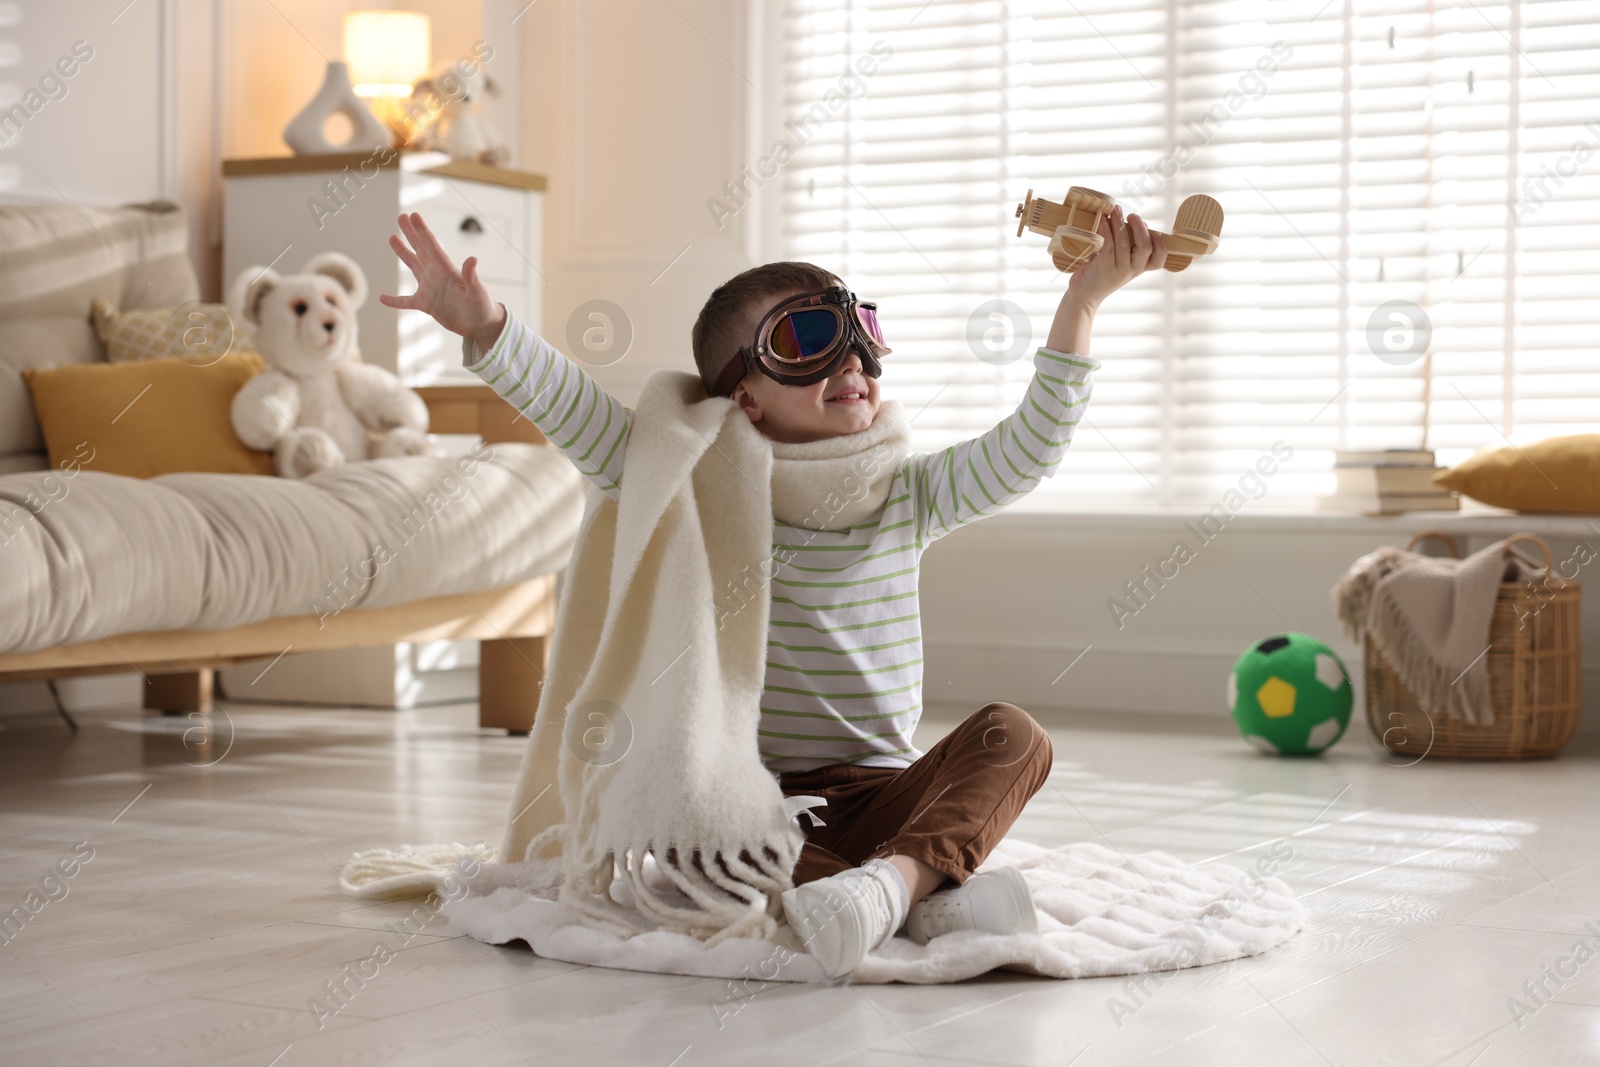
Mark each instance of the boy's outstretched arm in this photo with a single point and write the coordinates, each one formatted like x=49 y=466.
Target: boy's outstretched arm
x=975 y=478
x=568 y=406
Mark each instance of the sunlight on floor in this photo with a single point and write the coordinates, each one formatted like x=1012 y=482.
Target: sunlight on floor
x=208 y=920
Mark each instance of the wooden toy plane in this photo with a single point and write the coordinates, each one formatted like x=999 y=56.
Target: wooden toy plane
x=1073 y=226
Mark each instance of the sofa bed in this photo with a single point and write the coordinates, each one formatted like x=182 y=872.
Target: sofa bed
x=179 y=573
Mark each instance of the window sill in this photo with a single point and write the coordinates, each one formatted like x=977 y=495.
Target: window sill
x=1472 y=519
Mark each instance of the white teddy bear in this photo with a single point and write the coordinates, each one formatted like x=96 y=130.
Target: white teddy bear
x=317 y=405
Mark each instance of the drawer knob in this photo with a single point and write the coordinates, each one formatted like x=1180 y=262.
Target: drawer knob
x=471 y=225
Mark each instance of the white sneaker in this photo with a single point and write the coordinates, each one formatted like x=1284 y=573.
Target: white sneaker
x=846 y=916
x=996 y=902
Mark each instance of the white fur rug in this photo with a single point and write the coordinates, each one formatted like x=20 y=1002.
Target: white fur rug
x=1100 y=913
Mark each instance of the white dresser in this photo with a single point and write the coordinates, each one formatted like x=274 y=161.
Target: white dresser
x=284 y=210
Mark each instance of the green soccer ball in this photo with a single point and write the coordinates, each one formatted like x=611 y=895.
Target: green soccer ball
x=1290 y=695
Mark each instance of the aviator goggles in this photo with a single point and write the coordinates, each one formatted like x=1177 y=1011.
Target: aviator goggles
x=806 y=339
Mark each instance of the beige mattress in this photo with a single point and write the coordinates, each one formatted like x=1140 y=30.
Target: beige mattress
x=96 y=555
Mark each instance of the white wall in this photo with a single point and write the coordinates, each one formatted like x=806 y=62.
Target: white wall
x=1011 y=601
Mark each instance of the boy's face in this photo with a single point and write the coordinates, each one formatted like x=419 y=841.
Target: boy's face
x=846 y=402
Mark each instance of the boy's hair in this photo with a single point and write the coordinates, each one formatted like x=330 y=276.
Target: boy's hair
x=719 y=331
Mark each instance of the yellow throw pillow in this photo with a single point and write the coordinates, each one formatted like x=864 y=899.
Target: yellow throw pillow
x=195 y=332
x=1559 y=474
x=155 y=416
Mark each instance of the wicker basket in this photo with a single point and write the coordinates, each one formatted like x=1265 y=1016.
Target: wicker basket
x=1533 y=677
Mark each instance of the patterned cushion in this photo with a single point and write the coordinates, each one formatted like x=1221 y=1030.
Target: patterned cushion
x=195 y=333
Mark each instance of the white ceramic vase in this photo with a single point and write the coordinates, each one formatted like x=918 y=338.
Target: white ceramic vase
x=306 y=134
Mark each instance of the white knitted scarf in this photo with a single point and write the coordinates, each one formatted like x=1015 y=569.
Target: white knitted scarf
x=644 y=743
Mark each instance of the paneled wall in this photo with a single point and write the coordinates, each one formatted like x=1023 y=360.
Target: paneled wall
x=175 y=86
x=639 y=112
x=137 y=119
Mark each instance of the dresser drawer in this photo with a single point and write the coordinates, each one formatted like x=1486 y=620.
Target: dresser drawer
x=473 y=219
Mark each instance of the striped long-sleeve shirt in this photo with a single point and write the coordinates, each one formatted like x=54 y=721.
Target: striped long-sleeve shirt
x=844 y=645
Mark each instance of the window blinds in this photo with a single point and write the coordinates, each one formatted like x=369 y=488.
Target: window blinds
x=1445 y=155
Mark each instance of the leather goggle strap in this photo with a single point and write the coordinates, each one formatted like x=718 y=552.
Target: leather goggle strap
x=733 y=373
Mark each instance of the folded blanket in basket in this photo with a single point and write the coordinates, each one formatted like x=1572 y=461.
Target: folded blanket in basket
x=1430 y=617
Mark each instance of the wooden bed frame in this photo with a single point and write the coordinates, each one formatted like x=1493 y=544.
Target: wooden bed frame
x=513 y=623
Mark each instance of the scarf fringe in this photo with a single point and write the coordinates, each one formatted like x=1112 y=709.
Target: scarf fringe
x=411 y=870
x=734 y=898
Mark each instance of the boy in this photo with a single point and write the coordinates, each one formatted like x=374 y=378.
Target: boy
x=800 y=356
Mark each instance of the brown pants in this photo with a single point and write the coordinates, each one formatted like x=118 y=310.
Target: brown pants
x=949 y=809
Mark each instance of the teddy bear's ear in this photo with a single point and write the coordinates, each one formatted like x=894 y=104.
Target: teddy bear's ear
x=342 y=269
x=249 y=288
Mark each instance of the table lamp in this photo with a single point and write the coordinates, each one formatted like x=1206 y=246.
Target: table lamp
x=387 y=52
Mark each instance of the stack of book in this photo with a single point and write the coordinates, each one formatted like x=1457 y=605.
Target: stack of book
x=1387 y=482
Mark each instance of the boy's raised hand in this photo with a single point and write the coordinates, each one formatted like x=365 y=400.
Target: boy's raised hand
x=456 y=300
x=1129 y=251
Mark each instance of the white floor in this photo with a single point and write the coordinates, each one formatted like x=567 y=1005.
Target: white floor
x=208 y=918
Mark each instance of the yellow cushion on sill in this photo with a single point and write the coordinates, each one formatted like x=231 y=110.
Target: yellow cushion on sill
x=1559 y=474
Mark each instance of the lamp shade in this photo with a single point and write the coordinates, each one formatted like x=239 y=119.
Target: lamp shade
x=387 y=51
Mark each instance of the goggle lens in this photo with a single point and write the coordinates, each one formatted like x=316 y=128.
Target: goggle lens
x=868 y=317
x=805 y=334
